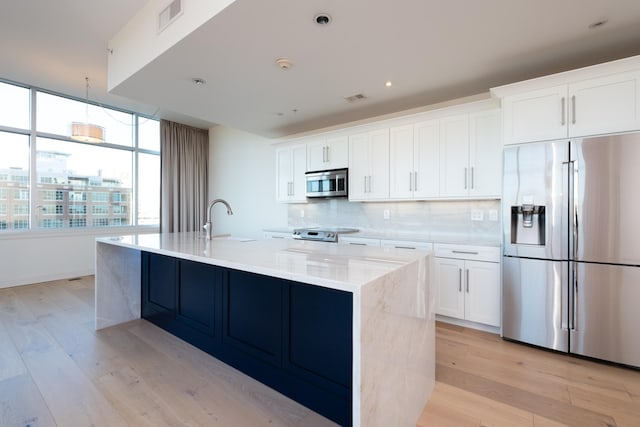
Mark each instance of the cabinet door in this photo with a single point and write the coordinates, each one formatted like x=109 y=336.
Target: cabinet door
x=199 y=296
x=291 y=165
x=535 y=116
x=284 y=170
x=316 y=155
x=401 y=159
x=482 y=292
x=252 y=315
x=337 y=153
x=358 y=166
x=454 y=156
x=450 y=287
x=299 y=159
x=379 y=169
x=320 y=342
x=159 y=277
x=426 y=159
x=485 y=154
x=605 y=105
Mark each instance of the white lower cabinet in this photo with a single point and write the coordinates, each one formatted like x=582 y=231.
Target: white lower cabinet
x=467 y=280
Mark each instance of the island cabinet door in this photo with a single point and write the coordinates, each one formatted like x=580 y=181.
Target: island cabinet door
x=159 y=276
x=252 y=318
x=199 y=303
x=319 y=346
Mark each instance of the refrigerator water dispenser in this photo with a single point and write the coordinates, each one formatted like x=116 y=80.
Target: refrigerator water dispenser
x=528 y=225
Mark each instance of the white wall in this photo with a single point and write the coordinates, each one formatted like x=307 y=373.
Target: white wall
x=242 y=170
x=32 y=258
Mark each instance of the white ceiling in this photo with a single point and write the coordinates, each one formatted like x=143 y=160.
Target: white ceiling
x=432 y=51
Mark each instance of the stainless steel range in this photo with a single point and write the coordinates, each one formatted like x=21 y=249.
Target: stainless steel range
x=329 y=234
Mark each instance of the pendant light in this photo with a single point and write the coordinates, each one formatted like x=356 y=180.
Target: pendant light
x=87 y=132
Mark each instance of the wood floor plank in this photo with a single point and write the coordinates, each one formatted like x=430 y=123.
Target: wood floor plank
x=11 y=364
x=71 y=397
x=22 y=405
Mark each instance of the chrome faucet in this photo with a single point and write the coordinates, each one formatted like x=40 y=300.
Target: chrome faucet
x=208 y=227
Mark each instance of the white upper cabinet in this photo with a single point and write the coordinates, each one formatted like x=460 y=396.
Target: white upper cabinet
x=291 y=165
x=326 y=154
x=485 y=154
x=414 y=160
x=605 y=105
x=577 y=108
x=369 y=166
x=454 y=156
x=535 y=116
x=471 y=155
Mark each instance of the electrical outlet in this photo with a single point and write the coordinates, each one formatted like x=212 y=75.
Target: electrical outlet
x=301 y=213
x=476 y=215
x=386 y=214
x=493 y=215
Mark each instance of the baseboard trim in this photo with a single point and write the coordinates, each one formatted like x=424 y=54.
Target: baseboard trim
x=30 y=280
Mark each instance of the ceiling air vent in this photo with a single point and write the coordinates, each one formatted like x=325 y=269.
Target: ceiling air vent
x=169 y=14
x=356 y=97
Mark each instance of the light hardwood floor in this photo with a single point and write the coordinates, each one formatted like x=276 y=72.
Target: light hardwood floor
x=56 y=370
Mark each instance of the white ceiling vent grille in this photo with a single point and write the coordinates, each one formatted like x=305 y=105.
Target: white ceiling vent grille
x=356 y=97
x=169 y=14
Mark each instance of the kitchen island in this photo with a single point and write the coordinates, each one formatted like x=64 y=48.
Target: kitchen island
x=328 y=325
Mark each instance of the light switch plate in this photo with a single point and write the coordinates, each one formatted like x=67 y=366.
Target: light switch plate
x=493 y=215
x=386 y=214
x=476 y=215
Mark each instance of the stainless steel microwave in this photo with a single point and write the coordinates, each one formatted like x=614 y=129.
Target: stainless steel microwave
x=330 y=183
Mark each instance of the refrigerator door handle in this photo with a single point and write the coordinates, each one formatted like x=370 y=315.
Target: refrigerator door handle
x=574 y=299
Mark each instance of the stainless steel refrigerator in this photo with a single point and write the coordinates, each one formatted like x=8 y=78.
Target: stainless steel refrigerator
x=571 y=266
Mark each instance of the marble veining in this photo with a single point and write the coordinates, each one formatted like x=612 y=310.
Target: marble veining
x=393 y=317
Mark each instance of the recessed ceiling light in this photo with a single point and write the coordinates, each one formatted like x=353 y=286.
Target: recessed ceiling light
x=284 y=63
x=198 y=81
x=322 y=19
x=598 y=24
x=388 y=83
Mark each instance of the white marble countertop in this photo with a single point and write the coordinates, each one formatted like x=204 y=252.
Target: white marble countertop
x=324 y=264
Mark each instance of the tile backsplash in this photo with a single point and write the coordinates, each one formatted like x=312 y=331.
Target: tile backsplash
x=435 y=220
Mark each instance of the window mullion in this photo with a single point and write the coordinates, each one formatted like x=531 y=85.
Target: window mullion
x=33 y=181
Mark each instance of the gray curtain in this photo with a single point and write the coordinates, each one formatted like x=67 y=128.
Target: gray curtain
x=184 y=166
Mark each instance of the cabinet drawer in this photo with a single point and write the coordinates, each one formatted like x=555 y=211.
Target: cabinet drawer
x=406 y=244
x=475 y=253
x=358 y=241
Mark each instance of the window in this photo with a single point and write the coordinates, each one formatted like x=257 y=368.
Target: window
x=100 y=222
x=75 y=184
x=100 y=196
x=15 y=111
x=20 y=210
x=100 y=210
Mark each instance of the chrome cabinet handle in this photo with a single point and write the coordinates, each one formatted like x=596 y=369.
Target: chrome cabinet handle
x=465 y=178
x=465 y=252
x=459 y=280
x=357 y=244
x=562 y=114
x=328 y=148
x=404 y=247
x=472 y=178
x=467 y=280
x=415 y=181
x=573 y=109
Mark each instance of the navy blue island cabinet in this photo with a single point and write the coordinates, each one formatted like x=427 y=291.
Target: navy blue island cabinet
x=294 y=337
